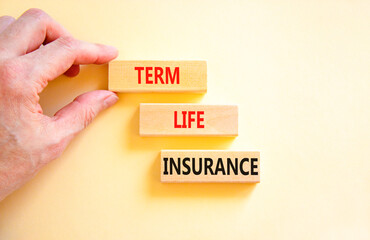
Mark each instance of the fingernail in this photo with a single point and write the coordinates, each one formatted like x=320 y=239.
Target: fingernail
x=110 y=100
x=112 y=49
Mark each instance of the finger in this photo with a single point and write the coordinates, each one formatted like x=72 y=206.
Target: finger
x=73 y=71
x=57 y=57
x=74 y=117
x=29 y=32
x=5 y=21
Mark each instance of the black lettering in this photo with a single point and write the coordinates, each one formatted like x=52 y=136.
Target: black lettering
x=208 y=162
x=173 y=165
x=186 y=166
x=254 y=166
x=199 y=171
x=241 y=166
x=233 y=166
x=165 y=160
x=220 y=167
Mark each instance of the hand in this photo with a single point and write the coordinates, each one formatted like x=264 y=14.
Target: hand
x=34 y=49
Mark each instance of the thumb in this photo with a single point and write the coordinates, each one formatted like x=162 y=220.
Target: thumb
x=74 y=117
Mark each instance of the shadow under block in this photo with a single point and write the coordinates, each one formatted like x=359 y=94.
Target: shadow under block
x=158 y=76
x=210 y=166
x=158 y=119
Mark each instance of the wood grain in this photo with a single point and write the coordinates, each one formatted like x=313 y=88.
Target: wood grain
x=156 y=76
x=205 y=120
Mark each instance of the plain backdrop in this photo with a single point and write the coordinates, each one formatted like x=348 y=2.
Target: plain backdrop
x=300 y=73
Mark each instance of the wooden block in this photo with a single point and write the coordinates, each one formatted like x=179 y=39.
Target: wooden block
x=210 y=166
x=188 y=120
x=158 y=76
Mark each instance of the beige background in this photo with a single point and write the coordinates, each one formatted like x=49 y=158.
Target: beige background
x=299 y=71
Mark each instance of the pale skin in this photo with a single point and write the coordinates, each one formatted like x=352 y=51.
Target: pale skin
x=35 y=49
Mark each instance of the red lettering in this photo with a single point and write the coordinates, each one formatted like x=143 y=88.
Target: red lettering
x=183 y=119
x=171 y=78
x=139 y=73
x=199 y=119
x=158 y=72
x=148 y=75
x=174 y=77
x=175 y=117
x=190 y=119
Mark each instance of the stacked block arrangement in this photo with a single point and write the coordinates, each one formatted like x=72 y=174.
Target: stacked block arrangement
x=185 y=120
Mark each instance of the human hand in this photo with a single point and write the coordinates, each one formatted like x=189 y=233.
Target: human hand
x=34 y=49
